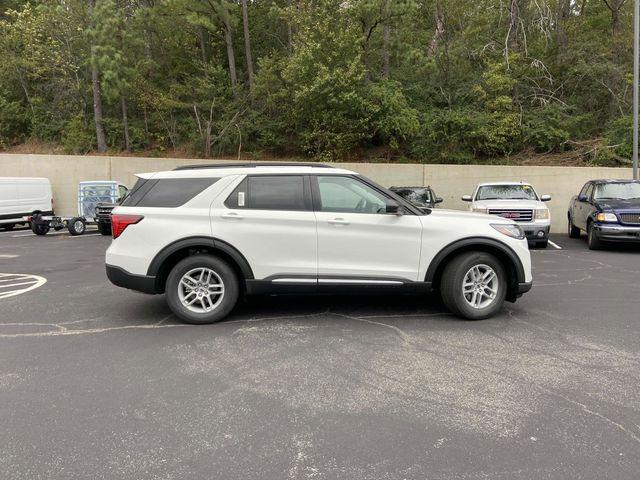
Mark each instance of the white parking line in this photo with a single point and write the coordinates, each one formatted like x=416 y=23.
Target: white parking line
x=555 y=245
x=9 y=256
x=19 y=280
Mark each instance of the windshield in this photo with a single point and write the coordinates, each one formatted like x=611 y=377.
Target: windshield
x=506 y=192
x=618 y=191
x=417 y=196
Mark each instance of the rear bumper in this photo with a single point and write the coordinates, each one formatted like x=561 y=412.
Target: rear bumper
x=121 y=278
x=617 y=233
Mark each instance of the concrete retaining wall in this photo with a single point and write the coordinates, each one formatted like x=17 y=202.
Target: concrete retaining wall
x=449 y=181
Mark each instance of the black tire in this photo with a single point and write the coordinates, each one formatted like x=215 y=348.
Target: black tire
x=452 y=283
x=222 y=270
x=542 y=244
x=573 y=231
x=104 y=228
x=593 y=242
x=8 y=226
x=76 y=226
x=39 y=228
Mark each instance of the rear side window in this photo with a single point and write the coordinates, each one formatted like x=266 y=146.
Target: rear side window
x=167 y=192
x=264 y=192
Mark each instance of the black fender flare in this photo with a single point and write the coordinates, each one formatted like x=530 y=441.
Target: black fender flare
x=466 y=244
x=199 y=241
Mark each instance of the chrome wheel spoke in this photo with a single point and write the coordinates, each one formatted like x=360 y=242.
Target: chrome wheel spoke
x=480 y=286
x=201 y=290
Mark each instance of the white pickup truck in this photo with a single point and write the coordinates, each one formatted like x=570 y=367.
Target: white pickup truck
x=517 y=201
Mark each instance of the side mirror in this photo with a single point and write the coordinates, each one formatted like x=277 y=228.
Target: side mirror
x=582 y=198
x=467 y=198
x=438 y=200
x=394 y=208
x=545 y=198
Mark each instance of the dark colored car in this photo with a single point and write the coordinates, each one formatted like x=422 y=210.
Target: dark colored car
x=608 y=210
x=103 y=217
x=421 y=197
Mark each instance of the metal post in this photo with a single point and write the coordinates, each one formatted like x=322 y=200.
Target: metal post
x=636 y=52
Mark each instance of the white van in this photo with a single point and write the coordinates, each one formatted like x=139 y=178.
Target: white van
x=21 y=197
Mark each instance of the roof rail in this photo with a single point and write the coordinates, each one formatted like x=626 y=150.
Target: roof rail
x=252 y=165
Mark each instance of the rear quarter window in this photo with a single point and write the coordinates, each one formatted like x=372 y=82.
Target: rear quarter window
x=166 y=192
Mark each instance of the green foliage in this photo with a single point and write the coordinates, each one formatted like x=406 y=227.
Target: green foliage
x=14 y=122
x=619 y=136
x=420 y=80
x=77 y=137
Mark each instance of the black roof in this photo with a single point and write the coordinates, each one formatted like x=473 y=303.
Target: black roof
x=252 y=165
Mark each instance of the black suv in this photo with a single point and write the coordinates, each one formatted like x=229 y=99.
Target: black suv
x=608 y=210
x=421 y=197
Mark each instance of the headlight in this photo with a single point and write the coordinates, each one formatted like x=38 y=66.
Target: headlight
x=479 y=210
x=606 y=217
x=513 y=231
x=542 y=214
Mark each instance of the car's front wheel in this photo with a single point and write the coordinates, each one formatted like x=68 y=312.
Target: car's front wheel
x=593 y=241
x=474 y=285
x=573 y=231
x=202 y=289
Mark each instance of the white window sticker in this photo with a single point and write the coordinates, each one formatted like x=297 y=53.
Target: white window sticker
x=241 y=199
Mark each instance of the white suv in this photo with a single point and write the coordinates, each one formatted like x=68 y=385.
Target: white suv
x=205 y=235
x=517 y=201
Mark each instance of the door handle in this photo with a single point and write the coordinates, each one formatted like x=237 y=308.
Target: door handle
x=338 y=221
x=232 y=216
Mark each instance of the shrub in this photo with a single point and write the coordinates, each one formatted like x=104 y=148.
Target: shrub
x=77 y=138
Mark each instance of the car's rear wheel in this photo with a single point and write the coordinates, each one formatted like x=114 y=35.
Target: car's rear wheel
x=202 y=289
x=593 y=241
x=76 y=226
x=573 y=231
x=474 y=285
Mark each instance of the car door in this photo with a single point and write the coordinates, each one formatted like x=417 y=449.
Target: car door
x=270 y=220
x=358 y=242
x=583 y=206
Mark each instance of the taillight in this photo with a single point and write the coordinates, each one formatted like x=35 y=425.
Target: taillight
x=121 y=221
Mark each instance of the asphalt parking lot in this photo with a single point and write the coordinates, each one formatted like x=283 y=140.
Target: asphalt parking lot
x=99 y=382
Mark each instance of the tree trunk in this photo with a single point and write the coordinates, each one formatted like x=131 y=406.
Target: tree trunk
x=97 y=95
x=202 y=44
x=125 y=122
x=513 y=41
x=247 y=44
x=386 y=34
x=615 y=77
x=439 y=32
x=564 y=13
x=228 y=40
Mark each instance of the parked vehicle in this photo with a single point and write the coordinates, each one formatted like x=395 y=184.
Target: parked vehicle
x=21 y=197
x=90 y=195
x=517 y=201
x=421 y=197
x=103 y=211
x=103 y=217
x=205 y=235
x=607 y=210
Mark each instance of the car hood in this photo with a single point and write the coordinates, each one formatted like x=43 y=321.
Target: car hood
x=614 y=204
x=508 y=204
x=469 y=216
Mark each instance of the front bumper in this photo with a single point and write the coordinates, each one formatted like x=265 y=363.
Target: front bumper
x=617 y=233
x=121 y=278
x=535 y=232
